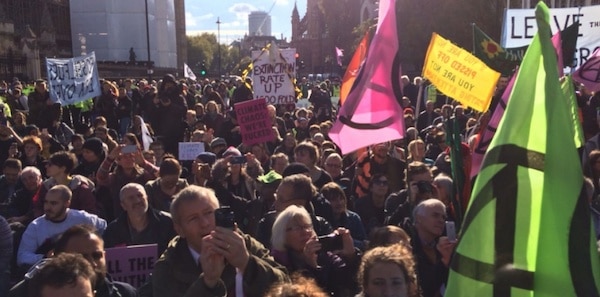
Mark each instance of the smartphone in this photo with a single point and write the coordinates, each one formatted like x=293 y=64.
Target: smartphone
x=238 y=160
x=224 y=217
x=331 y=242
x=450 y=230
x=128 y=149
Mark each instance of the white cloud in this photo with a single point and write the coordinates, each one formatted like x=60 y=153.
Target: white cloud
x=282 y=2
x=241 y=11
x=192 y=21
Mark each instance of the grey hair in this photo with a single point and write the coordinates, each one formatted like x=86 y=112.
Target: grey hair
x=130 y=186
x=31 y=169
x=420 y=208
x=445 y=182
x=279 y=230
x=192 y=193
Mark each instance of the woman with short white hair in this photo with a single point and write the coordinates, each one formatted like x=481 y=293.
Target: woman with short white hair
x=331 y=260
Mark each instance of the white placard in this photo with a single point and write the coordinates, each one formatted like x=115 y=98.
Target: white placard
x=190 y=150
x=520 y=26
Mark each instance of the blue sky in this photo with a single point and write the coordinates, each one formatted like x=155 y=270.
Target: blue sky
x=201 y=16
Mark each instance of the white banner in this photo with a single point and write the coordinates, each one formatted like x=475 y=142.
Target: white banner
x=272 y=75
x=520 y=27
x=73 y=80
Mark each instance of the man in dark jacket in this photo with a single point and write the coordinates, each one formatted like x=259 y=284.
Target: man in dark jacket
x=207 y=260
x=42 y=111
x=139 y=223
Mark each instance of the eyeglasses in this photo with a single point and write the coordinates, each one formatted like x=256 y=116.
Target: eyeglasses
x=380 y=182
x=298 y=228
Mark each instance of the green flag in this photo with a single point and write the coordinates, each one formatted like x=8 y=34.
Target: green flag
x=568 y=90
x=528 y=231
x=503 y=60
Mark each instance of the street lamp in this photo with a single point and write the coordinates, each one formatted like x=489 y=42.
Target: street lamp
x=219 y=45
x=150 y=71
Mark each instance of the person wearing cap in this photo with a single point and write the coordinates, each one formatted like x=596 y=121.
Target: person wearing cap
x=301 y=130
x=218 y=146
x=266 y=186
x=238 y=177
x=17 y=101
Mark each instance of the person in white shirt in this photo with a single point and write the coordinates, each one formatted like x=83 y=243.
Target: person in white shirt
x=38 y=238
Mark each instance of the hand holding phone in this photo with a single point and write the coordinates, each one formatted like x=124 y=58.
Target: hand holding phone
x=238 y=160
x=331 y=242
x=224 y=217
x=451 y=231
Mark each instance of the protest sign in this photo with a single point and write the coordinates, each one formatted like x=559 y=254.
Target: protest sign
x=190 y=150
x=458 y=74
x=131 y=264
x=520 y=26
x=273 y=75
x=73 y=80
x=255 y=122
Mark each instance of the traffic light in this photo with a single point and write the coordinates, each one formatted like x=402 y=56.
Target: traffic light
x=203 y=71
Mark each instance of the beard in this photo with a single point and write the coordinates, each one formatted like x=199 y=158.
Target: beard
x=55 y=217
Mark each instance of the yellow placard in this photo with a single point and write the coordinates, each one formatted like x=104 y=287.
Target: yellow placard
x=458 y=74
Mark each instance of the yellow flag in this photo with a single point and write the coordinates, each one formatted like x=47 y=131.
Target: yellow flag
x=458 y=74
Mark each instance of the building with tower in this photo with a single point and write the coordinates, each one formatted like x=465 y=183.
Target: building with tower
x=259 y=24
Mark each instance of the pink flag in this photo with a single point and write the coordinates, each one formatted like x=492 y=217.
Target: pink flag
x=487 y=133
x=589 y=73
x=557 y=42
x=339 y=54
x=371 y=113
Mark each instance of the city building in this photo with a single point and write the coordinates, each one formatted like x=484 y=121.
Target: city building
x=259 y=24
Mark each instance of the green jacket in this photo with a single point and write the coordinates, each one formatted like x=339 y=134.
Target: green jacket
x=176 y=273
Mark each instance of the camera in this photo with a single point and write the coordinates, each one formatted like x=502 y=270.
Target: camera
x=224 y=217
x=424 y=187
x=331 y=242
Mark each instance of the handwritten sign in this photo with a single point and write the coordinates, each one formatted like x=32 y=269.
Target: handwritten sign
x=272 y=76
x=131 y=264
x=190 y=150
x=255 y=122
x=458 y=74
x=73 y=80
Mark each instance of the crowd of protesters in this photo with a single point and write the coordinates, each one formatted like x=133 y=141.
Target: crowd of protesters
x=309 y=221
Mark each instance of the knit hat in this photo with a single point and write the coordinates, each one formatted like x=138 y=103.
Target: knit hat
x=217 y=141
x=207 y=157
x=232 y=151
x=95 y=145
x=269 y=178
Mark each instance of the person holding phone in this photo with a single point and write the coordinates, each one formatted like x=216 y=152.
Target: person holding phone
x=208 y=260
x=331 y=260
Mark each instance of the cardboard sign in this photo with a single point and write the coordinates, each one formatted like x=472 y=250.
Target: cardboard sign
x=458 y=74
x=255 y=122
x=190 y=150
x=131 y=264
x=273 y=74
x=73 y=80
